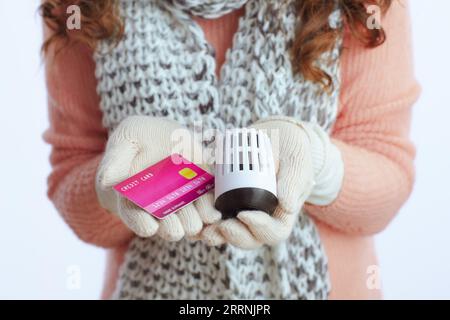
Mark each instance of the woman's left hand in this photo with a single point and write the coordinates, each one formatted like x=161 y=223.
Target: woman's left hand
x=291 y=143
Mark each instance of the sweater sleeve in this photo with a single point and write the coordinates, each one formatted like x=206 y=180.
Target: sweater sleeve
x=372 y=130
x=78 y=140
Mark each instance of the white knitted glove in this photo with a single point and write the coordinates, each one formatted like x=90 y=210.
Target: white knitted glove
x=328 y=167
x=137 y=143
x=303 y=155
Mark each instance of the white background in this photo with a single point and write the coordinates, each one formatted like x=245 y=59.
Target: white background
x=38 y=252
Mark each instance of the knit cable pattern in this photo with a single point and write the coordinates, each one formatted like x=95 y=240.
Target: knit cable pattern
x=165 y=67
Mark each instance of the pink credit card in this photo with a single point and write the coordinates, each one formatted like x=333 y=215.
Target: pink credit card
x=167 y=186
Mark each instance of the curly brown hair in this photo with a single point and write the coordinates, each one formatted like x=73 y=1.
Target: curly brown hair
x=314 y=36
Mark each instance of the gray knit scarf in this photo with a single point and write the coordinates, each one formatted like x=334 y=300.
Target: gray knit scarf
x=165 y=67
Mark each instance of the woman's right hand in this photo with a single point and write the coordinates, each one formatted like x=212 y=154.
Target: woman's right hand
x=137 y=143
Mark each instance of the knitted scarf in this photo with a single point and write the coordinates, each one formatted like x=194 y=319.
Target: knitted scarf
x=207 y=8
x=165 y=67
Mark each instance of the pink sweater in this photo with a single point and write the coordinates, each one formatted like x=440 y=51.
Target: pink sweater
x=372 y=132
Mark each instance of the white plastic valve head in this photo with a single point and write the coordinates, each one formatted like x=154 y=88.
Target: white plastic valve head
x=245 y=172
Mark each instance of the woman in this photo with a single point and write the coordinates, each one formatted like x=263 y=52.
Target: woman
x=339 y=94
